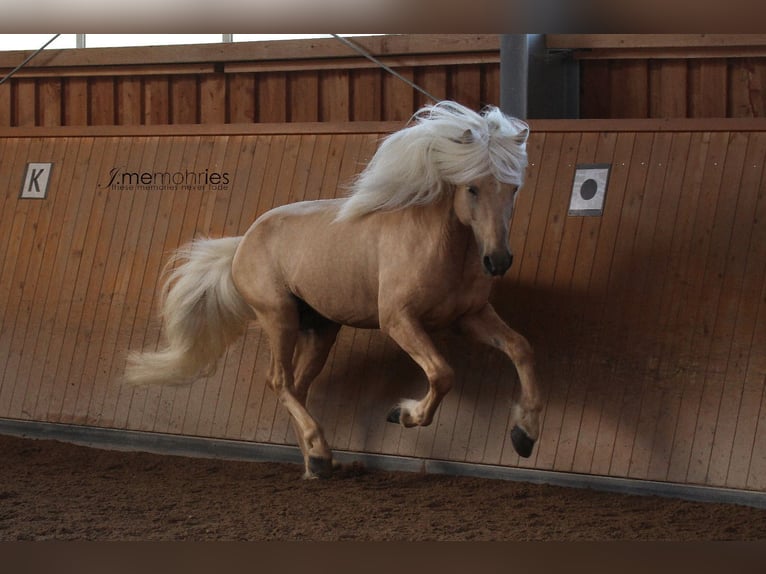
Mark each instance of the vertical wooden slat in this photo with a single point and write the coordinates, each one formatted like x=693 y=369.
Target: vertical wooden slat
x=212 y=99
x=156 y=100
x=49 y=102
x=28 y=282
x=271 y=89
x=398 y=97
x=6 y=111
x=20 y=253
x=596 y=89
x=668 y=89
x=184 y=100
x=465 y=86
x=433 y=80
x=367 y=95
x=75 y=102
x=334 y=96
x=54 y=401
x=708 y=85
x=101 y=102
x=632 y=102
x=53 y=299
x=241 y=94
x=693 y=352
x=129 y=101
x=734 y=320
x=303 y=90
x=25 y=103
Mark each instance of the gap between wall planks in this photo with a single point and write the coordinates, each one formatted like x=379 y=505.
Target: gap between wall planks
x=648 y=322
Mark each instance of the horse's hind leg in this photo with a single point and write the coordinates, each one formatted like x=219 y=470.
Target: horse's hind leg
x=311 y=352
x=281 y=326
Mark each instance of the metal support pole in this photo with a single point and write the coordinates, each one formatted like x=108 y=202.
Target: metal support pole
x=514 y=71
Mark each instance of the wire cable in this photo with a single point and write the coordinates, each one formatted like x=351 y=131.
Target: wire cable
x=24 y=63
x=388 y=69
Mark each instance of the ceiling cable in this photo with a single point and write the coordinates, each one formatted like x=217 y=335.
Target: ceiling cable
x=32 y=55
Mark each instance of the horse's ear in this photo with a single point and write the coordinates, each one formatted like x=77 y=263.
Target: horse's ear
x=465 y=138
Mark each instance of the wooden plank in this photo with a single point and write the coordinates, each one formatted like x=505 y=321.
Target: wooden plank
x=5 y=105
x=692 y=354
x=156 y=101
x=272 y=97
x=490 y=90
x=75 y=102
x=303 y=92
x=630 y=79
x=708 y=86
x=670 y=333
x=101 y=102
x=29 y=278
x=52 y=298
x=367 y=95
x=161 y=401
x=49 y=102
x=241 y=94
x=746 y=362
x=568 y=304
x=56 y=402
x=24 y=224
x=129 y=94
x=668 y=89
x=135 y=305
x=212 y=99
x=596 y=88
x=184 y=100
x=174 y=55
x=590 y=276
x=640 y=303
x=334 y=96
x=719 y=308
x=552 y=369
x=434 y=81
x=25 y=103
x=735 y=317
x=593 y=41
x=593 y=361
x=465 y=86
x=101 y=402
x=398 y=97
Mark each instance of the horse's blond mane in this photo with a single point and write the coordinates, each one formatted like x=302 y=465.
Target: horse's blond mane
x=447 y=144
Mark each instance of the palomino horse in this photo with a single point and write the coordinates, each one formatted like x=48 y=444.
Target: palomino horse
x=415 y=247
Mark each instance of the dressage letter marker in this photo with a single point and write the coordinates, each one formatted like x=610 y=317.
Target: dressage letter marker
x=36 y=180
x=589 y=189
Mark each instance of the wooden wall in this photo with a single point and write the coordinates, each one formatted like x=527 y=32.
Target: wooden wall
x=669 y=76
x=250 y=82
x=649 y=322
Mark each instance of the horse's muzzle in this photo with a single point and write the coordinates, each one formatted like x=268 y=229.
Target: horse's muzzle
x=496 y=264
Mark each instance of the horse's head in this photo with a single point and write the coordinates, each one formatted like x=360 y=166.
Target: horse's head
x=486 y=205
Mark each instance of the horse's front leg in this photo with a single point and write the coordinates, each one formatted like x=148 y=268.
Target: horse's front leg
x=410 y=336
x=486 y=326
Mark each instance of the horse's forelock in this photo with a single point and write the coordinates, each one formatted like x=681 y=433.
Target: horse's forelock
x=444 y=143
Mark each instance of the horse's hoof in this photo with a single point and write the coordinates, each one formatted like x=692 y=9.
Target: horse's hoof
x=320 y=467
x=522 y=443
x=395 y=415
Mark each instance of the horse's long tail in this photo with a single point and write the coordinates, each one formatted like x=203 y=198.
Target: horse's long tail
x=202 y=312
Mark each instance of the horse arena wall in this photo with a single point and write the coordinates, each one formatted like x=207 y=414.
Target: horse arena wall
x=649 y=322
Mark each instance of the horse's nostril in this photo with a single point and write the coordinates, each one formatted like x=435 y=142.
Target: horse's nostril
x=488 y=264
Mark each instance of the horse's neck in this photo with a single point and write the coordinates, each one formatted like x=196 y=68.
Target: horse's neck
x=452 y=240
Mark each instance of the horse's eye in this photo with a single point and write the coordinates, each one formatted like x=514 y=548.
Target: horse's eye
x=473 y=190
